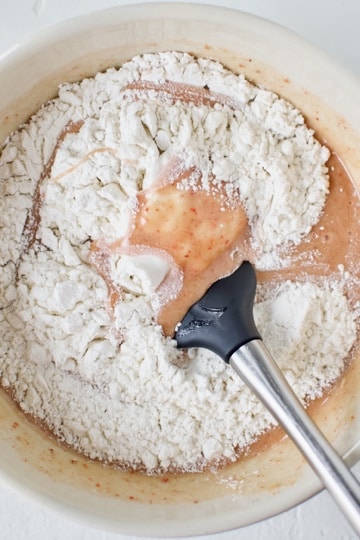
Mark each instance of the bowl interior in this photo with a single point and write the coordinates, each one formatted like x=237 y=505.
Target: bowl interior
x=268 y=481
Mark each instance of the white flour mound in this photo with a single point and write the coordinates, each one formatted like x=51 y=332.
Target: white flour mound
x=108 y=383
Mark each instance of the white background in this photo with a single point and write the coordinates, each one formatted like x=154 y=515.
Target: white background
x=332 y=26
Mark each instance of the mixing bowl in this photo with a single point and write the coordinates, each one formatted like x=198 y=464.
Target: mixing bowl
x=274 y=476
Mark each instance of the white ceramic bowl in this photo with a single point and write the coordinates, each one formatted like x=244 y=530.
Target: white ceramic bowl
x=276 y=478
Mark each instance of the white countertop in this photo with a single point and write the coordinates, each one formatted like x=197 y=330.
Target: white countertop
x=332 y=26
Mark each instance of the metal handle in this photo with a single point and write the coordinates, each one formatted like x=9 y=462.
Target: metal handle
x=255 y=365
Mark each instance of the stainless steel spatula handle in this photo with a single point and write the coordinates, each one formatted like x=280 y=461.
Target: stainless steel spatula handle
x=255 y=365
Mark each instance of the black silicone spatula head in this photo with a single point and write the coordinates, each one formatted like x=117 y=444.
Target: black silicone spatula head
x=222 y=320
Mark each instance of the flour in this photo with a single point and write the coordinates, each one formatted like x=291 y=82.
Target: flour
x=106 y=381
x=298 y=326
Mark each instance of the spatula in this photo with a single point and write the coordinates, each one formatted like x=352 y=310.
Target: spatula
x=222 y=321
